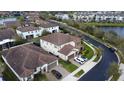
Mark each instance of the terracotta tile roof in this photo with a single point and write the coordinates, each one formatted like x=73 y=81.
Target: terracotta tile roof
x=46 y=24
x=60 y=38
x=7 y=34
x=24 y=59
x=12 y=23
x=66 y=49
x=27 y=28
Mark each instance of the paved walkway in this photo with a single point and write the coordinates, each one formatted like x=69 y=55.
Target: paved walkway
x=85 y=67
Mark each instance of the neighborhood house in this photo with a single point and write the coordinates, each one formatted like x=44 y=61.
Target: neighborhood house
x=49 y=27
x=27 y=60
x=62 y=45
x=7 y=37
x=28 y=32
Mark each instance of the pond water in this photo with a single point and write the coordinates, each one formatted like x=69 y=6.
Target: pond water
x=118 y=30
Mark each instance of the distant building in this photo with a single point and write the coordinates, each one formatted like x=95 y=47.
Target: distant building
x=109 y=18
x=83 y=17
x=62 y=16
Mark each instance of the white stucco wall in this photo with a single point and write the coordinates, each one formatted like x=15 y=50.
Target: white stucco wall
x=51 y=29
x=6 y=41
x=35 y=33
x=54 y=48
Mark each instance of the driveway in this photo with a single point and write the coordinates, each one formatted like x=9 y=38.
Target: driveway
x=73 y=62
x=58 y=68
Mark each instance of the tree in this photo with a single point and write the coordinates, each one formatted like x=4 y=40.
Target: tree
x=114 y=71
x=19 y=40
x=98 y=34
x=45 y=33
x=21 y=19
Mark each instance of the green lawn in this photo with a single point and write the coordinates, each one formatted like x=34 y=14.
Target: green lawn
x=68 y=66
x=40 y=77
x=87 y=52
x=78 y=74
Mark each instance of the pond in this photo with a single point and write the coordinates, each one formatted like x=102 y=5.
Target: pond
x=118 y=30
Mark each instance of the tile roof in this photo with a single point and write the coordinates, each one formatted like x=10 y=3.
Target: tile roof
x=46 y=24
x=27 y=28
x=66 y=49
x=60 y=38
x=24 y=59
x=7 y=34
x=12 y=23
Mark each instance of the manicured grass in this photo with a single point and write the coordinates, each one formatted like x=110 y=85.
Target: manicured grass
x=68 y=65
x=79 y=73
x=40 y=77
x=87 y=52
x=102 y=24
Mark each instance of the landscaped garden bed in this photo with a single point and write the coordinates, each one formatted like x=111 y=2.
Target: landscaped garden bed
x=87 y=52
x=68 y=65
x=78 y=74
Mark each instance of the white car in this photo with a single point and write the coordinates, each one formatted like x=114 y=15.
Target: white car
x=79 y=60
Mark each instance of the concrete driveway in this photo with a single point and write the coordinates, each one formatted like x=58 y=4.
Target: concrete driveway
x=58 y=68
x=75 y=63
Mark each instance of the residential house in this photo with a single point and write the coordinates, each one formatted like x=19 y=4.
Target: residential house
x=7 y=38
x=27 y=60
x=10 y=24
x=48 y=26
x=28 y=32
x=62 y=45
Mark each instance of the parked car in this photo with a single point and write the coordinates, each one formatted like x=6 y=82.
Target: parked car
x=57 y=74
x=79 y=60
x=85 y=59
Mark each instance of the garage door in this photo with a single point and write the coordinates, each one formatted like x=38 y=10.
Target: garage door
x=52 y=65
x=71 y=56
x=29 y=37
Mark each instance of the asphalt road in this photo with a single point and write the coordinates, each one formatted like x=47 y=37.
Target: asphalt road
x=99 y=72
